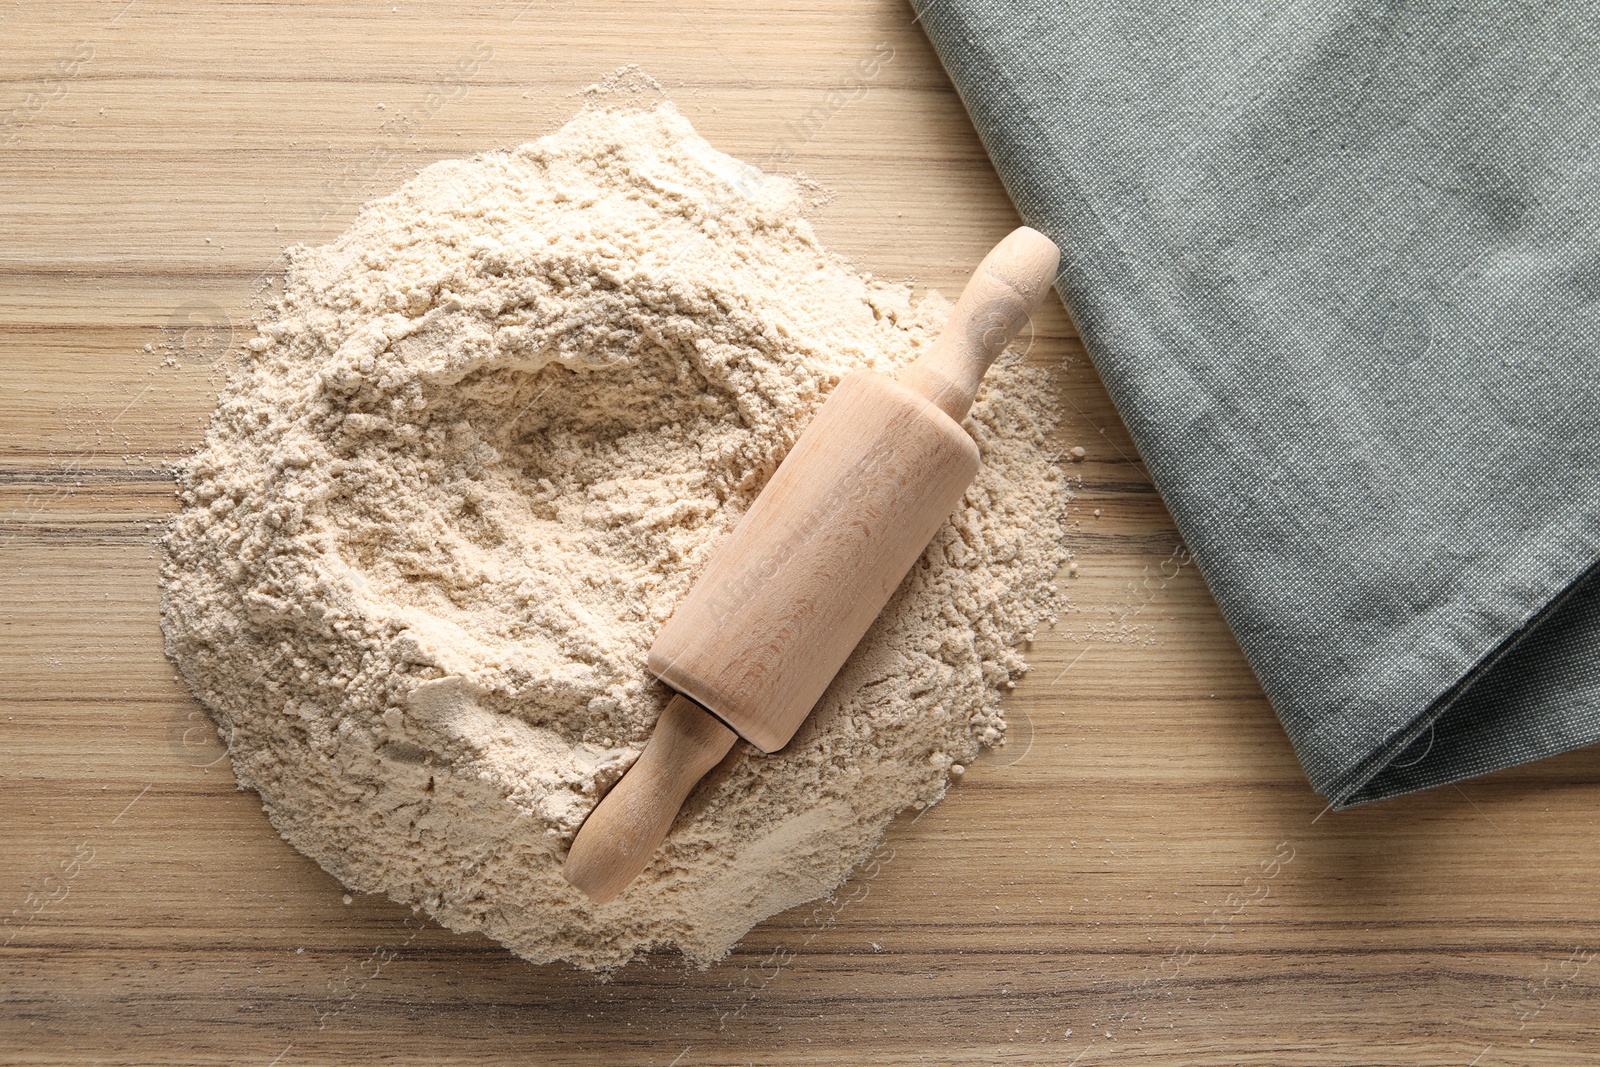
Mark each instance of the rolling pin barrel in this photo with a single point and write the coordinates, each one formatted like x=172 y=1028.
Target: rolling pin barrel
x=813 y=561
x=786 y=599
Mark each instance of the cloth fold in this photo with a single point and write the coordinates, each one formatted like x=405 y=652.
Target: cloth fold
x=1338 y=265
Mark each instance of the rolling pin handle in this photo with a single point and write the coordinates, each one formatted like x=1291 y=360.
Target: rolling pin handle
x=1003 y=291
x=620 y=835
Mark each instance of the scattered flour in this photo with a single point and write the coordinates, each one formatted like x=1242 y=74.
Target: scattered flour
x=480 y=448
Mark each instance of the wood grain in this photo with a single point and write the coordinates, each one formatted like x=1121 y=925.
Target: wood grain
x=1142 y=876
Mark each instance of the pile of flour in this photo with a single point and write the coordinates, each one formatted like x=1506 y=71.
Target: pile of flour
x=479 y=450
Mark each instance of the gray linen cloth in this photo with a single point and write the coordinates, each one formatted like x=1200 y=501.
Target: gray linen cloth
x=1337 y=264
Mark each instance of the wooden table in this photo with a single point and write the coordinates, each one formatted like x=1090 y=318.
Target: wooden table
x=1143 y=876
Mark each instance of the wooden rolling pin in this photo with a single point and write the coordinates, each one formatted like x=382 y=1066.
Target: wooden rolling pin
x=813 y=561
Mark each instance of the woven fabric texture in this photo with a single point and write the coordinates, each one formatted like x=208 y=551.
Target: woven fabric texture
x=1338 y=264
